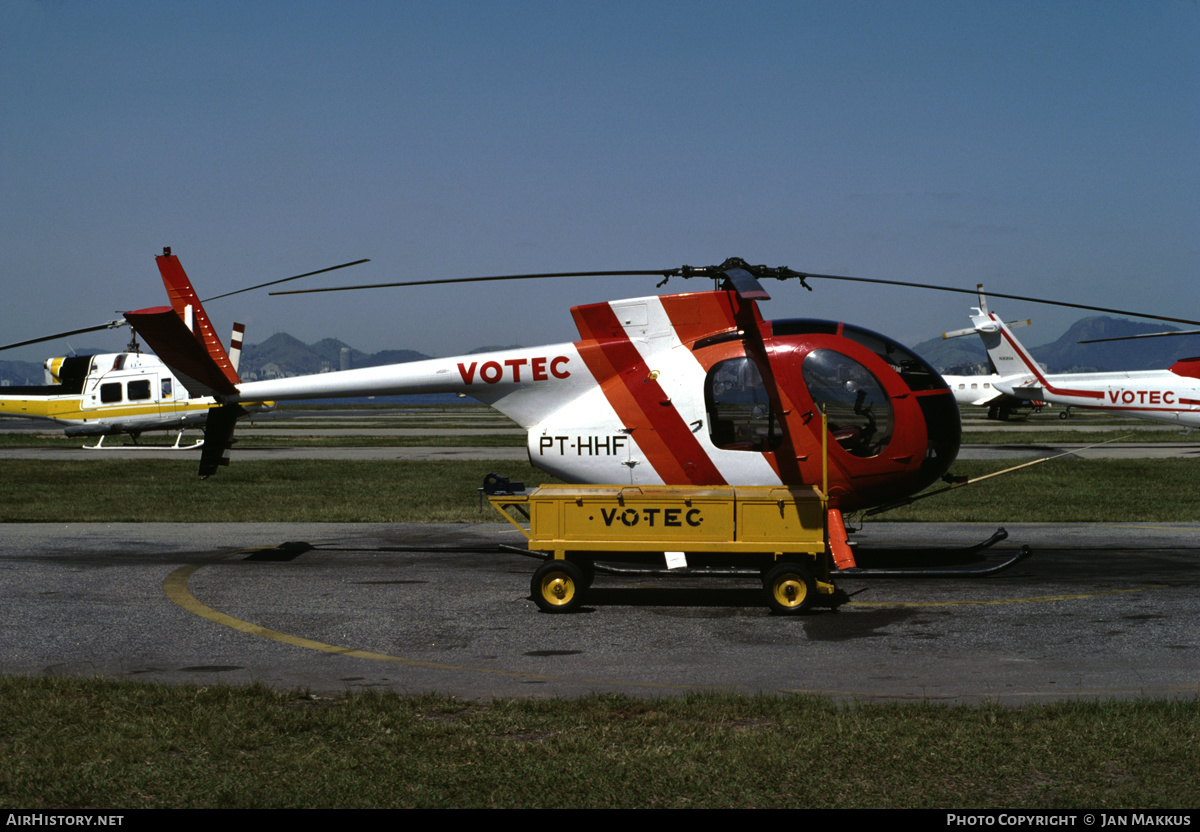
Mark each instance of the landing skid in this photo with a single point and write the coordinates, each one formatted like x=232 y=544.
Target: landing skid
x=942 y=554
x=99 y=446
x=646 y=570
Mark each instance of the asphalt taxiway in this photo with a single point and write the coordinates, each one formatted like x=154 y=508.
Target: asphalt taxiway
x=1099 y=611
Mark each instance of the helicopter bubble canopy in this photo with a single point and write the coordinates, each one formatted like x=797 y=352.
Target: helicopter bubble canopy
x=887 y=409
x=915 y=371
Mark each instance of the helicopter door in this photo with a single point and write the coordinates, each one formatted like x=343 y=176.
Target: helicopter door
x=866 y=414
x=740 y=415
x=858 y=410
x=138 y=390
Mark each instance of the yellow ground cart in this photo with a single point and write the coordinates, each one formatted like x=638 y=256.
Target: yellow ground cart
x=777 y=532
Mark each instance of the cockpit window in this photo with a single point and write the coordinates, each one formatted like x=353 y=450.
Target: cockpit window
x=856 y=406
x=740 y=417
x=803 y=326
x=911 y=367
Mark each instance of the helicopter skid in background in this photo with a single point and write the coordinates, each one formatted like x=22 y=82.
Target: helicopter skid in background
x=99 y=446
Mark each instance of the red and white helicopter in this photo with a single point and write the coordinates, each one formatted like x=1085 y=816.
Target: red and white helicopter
x=1171 y=396
x=686 y=389
x=682 y=389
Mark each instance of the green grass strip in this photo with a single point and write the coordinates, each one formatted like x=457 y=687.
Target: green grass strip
x=1066 y=490
x=1050 y=436
x=115 y=490
x=88 y=743
x=132 y=490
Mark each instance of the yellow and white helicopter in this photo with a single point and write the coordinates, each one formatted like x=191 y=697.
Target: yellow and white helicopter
x=128 y=392
x=107 y=394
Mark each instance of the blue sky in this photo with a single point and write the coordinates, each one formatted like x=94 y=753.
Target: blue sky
x=1048 y=148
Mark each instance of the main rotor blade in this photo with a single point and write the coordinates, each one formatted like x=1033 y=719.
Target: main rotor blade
x=635 y=272
x=749 y=286
x=992 y=294
x=115 y=324
x=109 y=325
x=781 y=273
x=286 y=279
x=1143 y=335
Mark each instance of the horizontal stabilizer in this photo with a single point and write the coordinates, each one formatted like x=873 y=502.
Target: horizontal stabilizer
x=180 y=350
x=959 y=333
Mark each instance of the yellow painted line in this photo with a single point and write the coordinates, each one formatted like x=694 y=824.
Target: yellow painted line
x=1032 y=599
x=175 y=586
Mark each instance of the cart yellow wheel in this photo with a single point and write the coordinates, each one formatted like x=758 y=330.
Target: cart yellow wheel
x=789 y=588
x=557 y=586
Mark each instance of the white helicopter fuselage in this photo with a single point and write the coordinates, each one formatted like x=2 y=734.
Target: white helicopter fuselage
x=580 y=411
x=107 y=394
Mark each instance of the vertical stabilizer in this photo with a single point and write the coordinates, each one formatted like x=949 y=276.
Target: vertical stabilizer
x=1007 y=355
x=187 y=306
x=235 y=345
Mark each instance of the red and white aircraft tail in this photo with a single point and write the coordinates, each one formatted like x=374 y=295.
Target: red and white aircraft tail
x=184 y=338
x=1171 y=396
x=1006 y=355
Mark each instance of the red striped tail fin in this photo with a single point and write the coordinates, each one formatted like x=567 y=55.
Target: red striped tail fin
x=183 y=337
x=187 y=306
